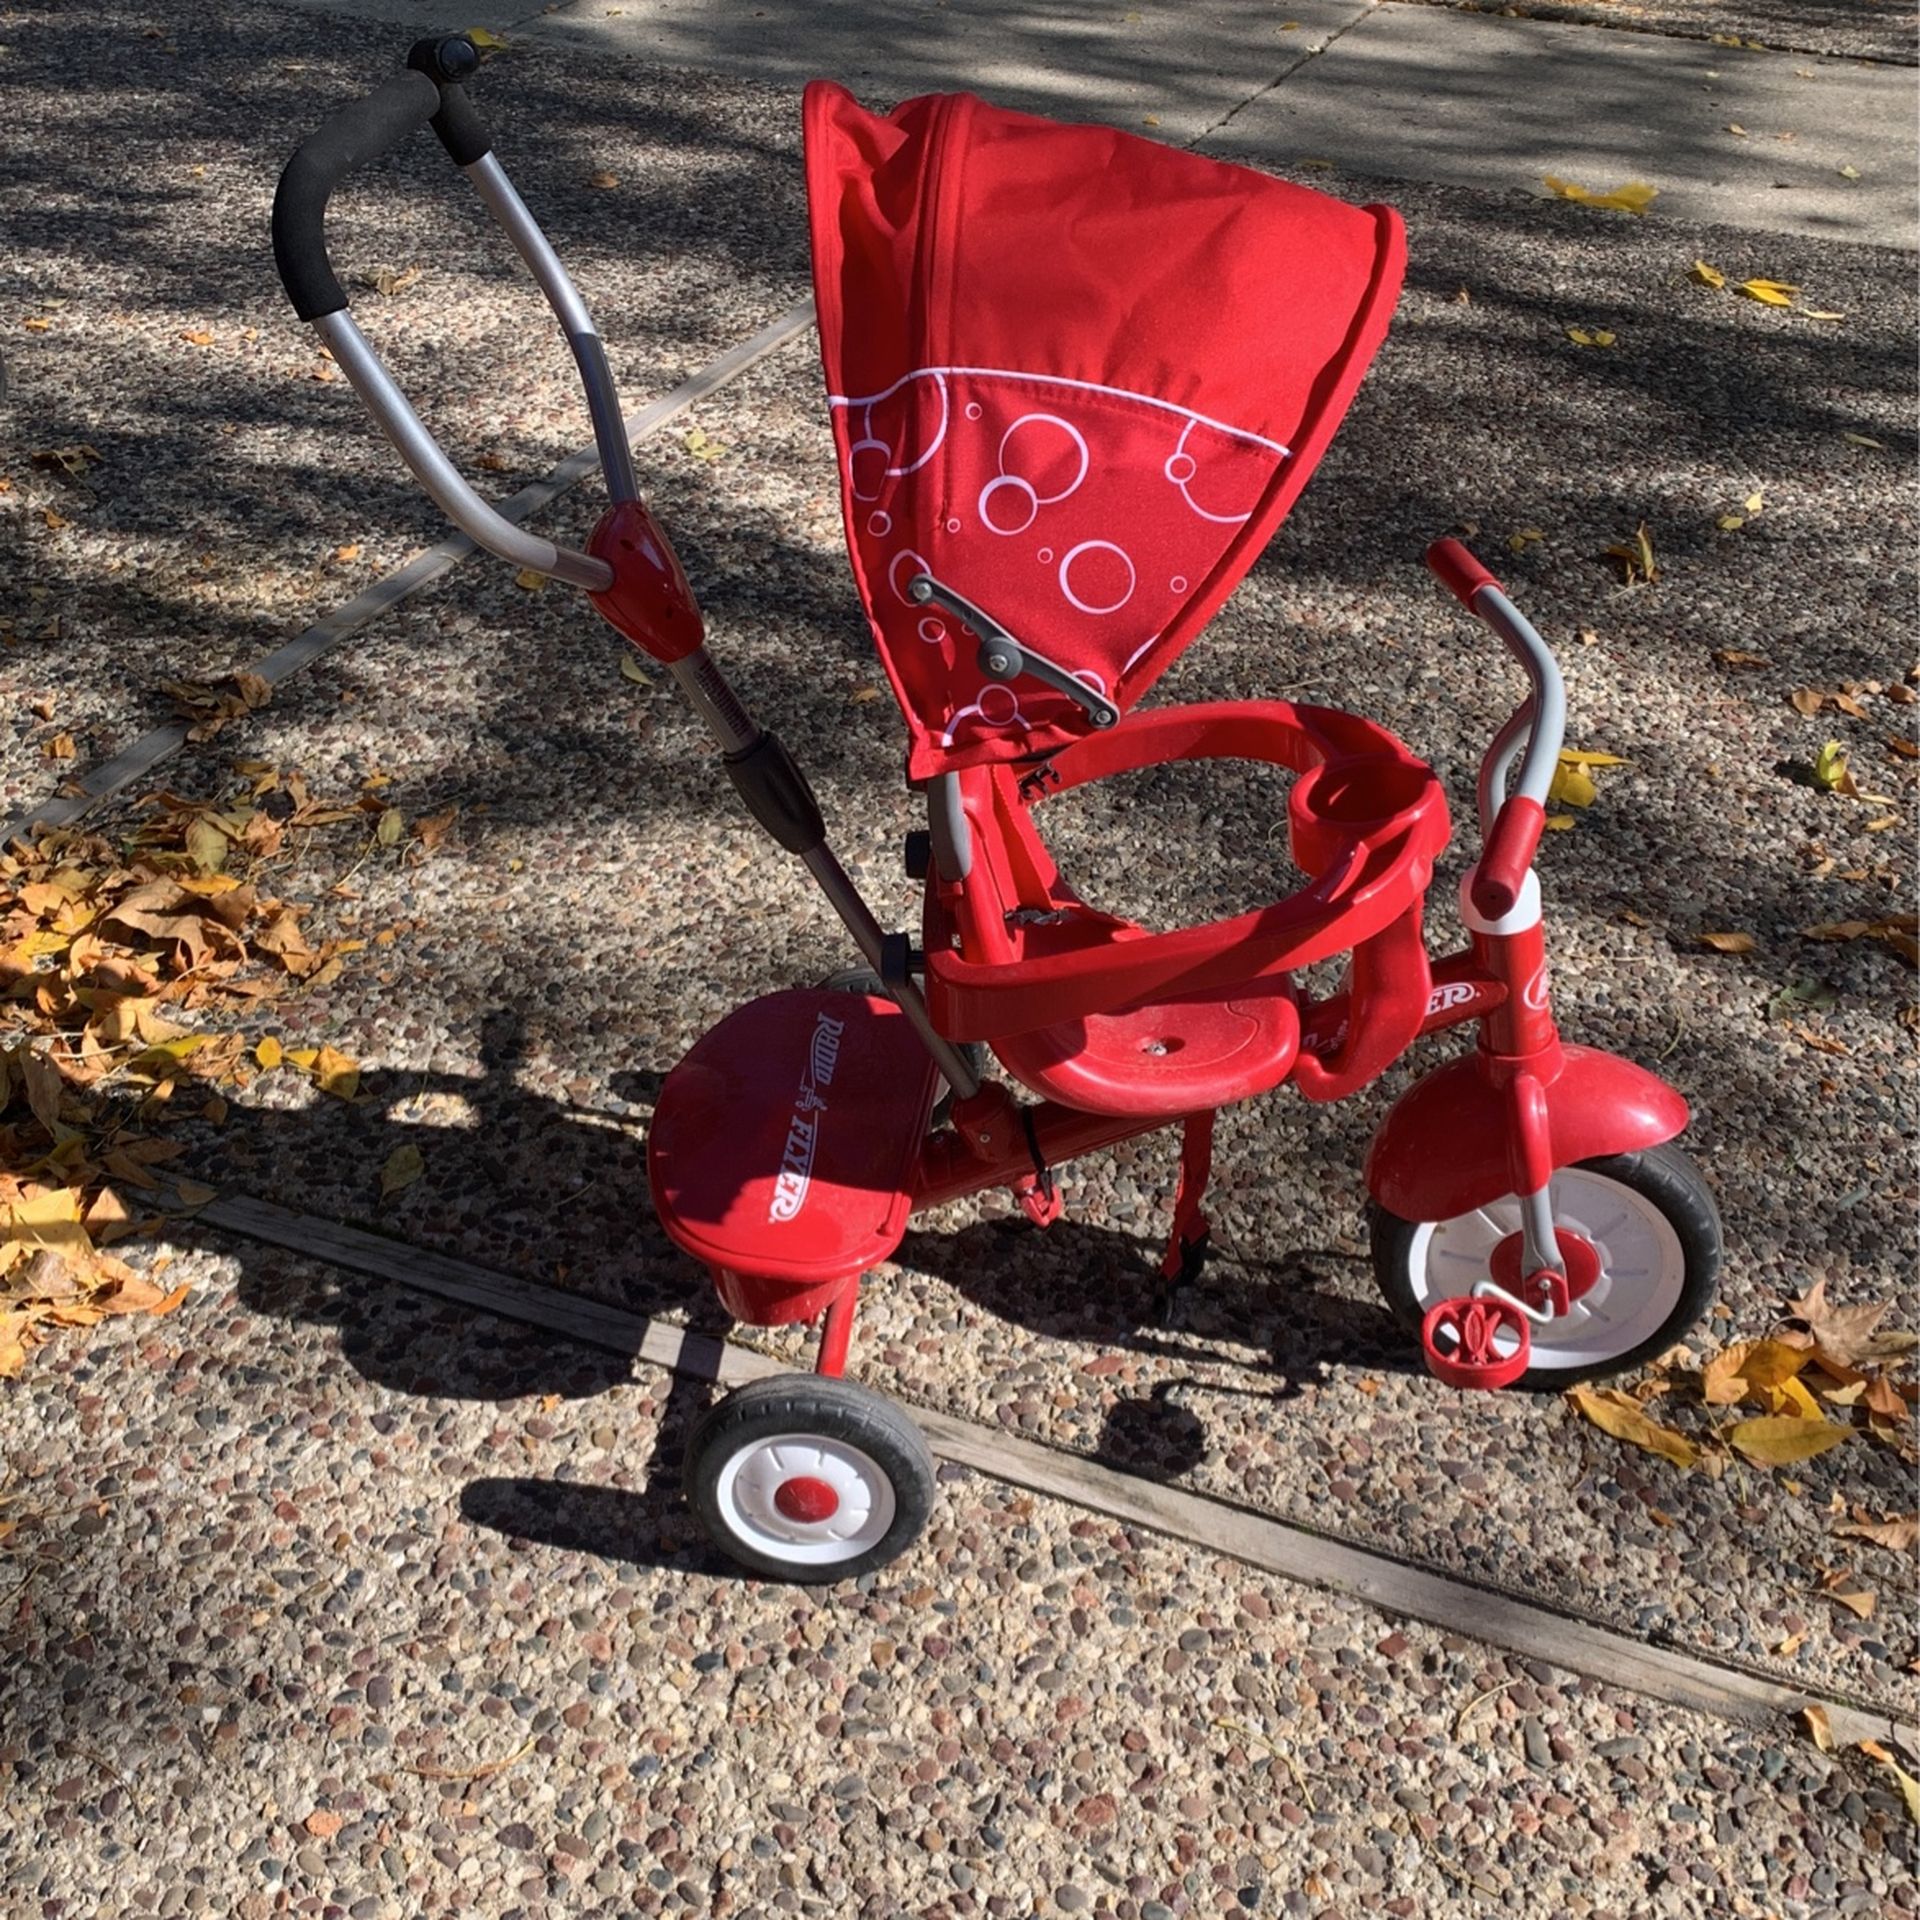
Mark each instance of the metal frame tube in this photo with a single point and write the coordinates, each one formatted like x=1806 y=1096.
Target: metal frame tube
x=589 y=355
x=393 y=413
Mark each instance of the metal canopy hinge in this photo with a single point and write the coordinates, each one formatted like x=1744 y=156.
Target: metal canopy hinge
x=1003 y=658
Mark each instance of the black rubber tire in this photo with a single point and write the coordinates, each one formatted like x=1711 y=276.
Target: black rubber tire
x=810 y=1403
x=1663 y=1175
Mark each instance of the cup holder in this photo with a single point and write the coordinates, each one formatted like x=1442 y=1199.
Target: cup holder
x=1345 y=800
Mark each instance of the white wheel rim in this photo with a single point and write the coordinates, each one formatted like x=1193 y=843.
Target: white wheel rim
x=1643 y=1267
x=756 y=1472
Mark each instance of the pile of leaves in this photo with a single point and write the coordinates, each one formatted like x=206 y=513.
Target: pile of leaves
x=116 y=964
x=1823 y=1378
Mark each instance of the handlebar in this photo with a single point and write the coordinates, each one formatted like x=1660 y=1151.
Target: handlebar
x=431 y=92
x=1510 y=825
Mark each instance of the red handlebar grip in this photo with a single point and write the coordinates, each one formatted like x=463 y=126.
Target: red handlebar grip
x=1458 y=571
x=1510 y=848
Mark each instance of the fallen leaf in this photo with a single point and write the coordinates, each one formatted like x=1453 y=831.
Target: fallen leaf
x=529 y=580
x=1751 y=1365
x=1830 y=772
x=702 y=445
x=432 y=828
x=1909 y=1786
x=1864 y=440
x=1770 y=293
x=1525 y=538
x=1591 y=336
x=1778 y=1440
x=1858 y=1601
x=1729 y=942
x=199 y=337
x=1900 y=1534
x=1729 y=522
x=1733 y=657
x=1818 y=1727
x=1636 y=556
x=1705 y=275
x=1616 y=1413
x=1850 y=1334
x=391 y=826
x=404 y=1166
x=1807 y=701
x=268 y=1053
x=1635 y=197
x=603 y=179
x=1848 y=173
x=334 y=1073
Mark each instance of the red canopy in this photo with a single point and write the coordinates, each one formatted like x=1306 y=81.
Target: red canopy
x=1076 y=376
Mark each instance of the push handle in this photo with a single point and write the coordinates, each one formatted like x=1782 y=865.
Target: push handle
x=429 y=93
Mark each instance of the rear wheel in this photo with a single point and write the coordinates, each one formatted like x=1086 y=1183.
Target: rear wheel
x=808 y=1479
x=1653 y=1233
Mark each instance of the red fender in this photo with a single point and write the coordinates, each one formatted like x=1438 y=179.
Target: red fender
x=1443 y=1150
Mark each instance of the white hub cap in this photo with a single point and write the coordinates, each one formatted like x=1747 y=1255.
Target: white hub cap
x=1643 y=1266
x=805 y=1499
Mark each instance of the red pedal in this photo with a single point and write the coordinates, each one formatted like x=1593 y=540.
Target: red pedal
x=1462 y=1339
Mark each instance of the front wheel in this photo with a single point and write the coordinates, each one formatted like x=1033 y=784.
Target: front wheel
x=1654 y=1231
x=808 y=1479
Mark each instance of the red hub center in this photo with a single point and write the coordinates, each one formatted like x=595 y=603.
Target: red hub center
x=1582 y=1263
x=805 y=1500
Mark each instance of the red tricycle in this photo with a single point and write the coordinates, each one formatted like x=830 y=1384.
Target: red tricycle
x=1076 y=381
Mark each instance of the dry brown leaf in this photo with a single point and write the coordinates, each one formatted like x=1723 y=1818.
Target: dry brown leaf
x=1729 y=942
x=1850 y=1334
x=1616 y=1413
x=1819 y=1728
x=1899 y=1533
x=1909 y=1786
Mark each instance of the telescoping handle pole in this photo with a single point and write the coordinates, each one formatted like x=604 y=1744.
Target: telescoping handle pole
x=431 y=93
x=1510 y=824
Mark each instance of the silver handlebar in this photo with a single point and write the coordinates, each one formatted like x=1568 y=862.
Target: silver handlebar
x=1539 y=724
x=425 y=457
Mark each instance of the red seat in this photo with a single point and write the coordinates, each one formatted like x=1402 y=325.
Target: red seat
x=782 y=1148
x=1105 y=1016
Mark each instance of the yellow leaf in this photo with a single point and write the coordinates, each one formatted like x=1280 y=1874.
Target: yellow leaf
x=1635 y=197
x=1864 y=440
x=303 y=1057
x=1858 y=1601
x=206 y=845
x=1525 y=538
x=1590 y=336
x=336 y=1074
x=1901 y=1534
x=1572 y=786
x=1770 y=293
x=1636 y=556
x=268 y=1052
x=528 y=579
x=392 y=826
x=1558 y=823
x=1791 y=1397
x=50 y=1219
x=1705 y=275
x=199 y=337
x=1755 y=501
x=1585 y=757
x=1729 y=942
x=1909 y=1786
x=1613 y=1412
x=1728 y=522
x=1778 y=1440
x=192 y=1193
x=61 y=747
x=1848 y=173
x=631 y=669
x=702 y=445
x=487 y=42
x=1830 y=768
x=1818 y=1727
x=404 y=1166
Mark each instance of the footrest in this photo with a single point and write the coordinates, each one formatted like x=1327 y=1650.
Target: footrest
x=783 y=1147
x=1470 y=1342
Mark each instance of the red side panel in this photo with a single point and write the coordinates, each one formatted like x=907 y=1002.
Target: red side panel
x=1077 y=376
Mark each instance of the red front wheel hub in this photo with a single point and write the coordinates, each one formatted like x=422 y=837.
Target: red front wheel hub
x=1463 y=1340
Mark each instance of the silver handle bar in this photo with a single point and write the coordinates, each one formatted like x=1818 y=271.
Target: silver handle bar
x=424 y=455
x=1539 y=724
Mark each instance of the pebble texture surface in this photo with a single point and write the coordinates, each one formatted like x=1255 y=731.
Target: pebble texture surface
x=265 y=1612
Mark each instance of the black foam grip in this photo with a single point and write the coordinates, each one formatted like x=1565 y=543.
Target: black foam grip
x=462 y=132
x=354 y=136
